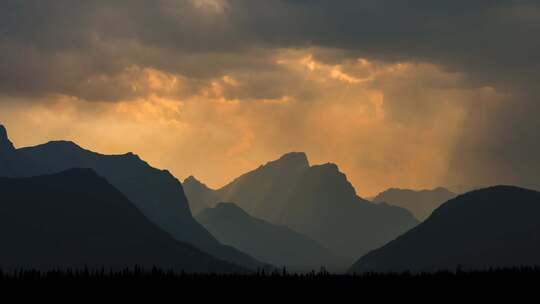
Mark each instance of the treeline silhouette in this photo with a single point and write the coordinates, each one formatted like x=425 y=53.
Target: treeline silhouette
x=316 y=286
x=157 y=274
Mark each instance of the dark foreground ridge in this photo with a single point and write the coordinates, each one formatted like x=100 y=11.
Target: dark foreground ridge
x=495 y=227
x=76 y=219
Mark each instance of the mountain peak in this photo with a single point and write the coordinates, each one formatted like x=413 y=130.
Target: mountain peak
x=3 y=131
x=442 y=190
x=132 y=155
x=5 y=143
x=192 y=179
x=328 y=166
x=65 y=144
x=327 y=170
x=295 y=158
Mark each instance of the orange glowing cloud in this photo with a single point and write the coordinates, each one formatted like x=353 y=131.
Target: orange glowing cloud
x=384 y=124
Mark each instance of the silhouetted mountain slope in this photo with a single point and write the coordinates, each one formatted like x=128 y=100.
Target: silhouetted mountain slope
x=12 y=163
x=200 y=196
x=7 y=153
x=264 y=191
x=317 y=201
x=420 y=203
x=324 y=205
x=156 y=193
x=5 y=144
x=492 y=227
x=75 y=218
x=278 y=245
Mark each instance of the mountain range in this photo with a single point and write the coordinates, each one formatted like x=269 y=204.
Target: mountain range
x=317 y=201
x=156 y=193
x=275 y=244
x=419 y=202
x=76 y=219
x=67 y=207
x=489 y=228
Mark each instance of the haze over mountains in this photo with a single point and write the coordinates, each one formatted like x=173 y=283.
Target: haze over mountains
x=419 y=202
x=419 y=94
x=275 y=244
x=120 y=212
x=317 y=201
x=157 y=193
x=76 y=219
x=492 y=227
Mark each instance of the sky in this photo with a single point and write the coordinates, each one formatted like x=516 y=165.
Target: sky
x=410 y=94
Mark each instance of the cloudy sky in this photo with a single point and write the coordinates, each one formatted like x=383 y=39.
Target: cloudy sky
x=411 y=94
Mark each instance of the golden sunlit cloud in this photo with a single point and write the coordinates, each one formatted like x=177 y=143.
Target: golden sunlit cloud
x=384 y=124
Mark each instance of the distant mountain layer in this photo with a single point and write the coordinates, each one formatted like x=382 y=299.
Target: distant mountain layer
x=278 y=245
x=317 y=201
x=492 y=227
x=420 y=203
x=156 y=193
x=75 y=219
x=264 y=192
x=200 y=196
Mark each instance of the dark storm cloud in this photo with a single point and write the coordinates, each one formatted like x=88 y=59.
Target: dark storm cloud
x=492 y=40
x=484 y=37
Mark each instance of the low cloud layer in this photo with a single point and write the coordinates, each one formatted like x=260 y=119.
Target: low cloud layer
x=414 y=94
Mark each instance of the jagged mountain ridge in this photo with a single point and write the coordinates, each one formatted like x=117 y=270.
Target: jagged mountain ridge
x=317 y=201
x=264 y=192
